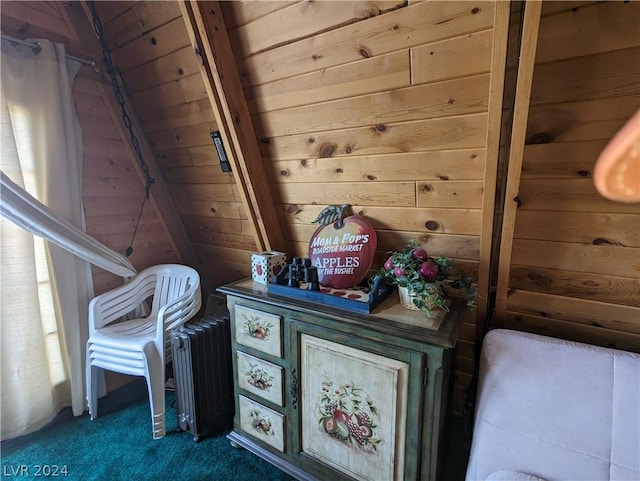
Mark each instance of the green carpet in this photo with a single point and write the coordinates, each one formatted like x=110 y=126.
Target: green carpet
x=118 y=445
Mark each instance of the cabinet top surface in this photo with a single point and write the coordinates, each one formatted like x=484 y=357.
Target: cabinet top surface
x=389 y=317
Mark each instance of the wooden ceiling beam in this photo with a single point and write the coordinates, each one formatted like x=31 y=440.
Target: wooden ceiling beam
x=210 y=40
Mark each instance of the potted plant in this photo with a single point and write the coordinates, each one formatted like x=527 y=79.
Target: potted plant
x=422 y=280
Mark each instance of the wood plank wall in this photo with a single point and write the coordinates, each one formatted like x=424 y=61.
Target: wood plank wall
x=150 y=46
x=574 y=268
x=379 y=104
x=112 y=191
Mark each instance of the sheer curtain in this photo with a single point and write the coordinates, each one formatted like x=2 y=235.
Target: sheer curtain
x=45 y=289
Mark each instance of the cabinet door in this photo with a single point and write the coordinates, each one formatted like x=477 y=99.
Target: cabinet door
x=353 y=405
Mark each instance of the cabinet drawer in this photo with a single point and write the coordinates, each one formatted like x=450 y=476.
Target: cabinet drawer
x=259 y=330
x=262 y=423
x=260 y=377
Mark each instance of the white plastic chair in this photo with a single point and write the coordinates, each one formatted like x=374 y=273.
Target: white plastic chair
x=141 y=346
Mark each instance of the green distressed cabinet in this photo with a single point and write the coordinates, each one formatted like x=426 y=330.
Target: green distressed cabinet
x=325 y=393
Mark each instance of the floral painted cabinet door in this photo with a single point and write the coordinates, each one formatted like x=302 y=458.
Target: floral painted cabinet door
x=353 y=409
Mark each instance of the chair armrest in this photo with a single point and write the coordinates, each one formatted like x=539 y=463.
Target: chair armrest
x=120 y=301
x=180 y=310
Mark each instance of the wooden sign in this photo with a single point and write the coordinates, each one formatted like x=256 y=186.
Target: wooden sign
x=343 y=251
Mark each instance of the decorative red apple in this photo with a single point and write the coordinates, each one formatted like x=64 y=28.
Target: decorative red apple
x=398 y=271
x=343 y=251
x=259 y=270
x=419 y=254
x=429 y=271
x=388 y=264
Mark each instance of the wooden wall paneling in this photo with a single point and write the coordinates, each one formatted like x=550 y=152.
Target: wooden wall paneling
x=182 y=137
x=608 y=74
x=447 y=193
x=461 y=164
x=304 y=20
x=223 y=193
x=521 y=107
x=581 y=227
x=224 y=272
x=581 y=311
x=467 y=95
x=181 y=115
x=159 y=195
x=112 y=194
x=203 y=225
x=432 y=62
x=388 y=194
x=577 y=195
x=240 y=13
x=454 y=246
x=397 y=30
x=381 y=73
x=171 y=94
x=108 y=11
x=498 y=65
x=199 y=174
x=468 y=131
x=207 y=32
x=240 y=242
x=556 y=40
x=582 y=120
x=141 y=18
x=224 y=210
x=574 y=266
x=168 y=68
x=570 y=284
x=549 y=8
x=112 y=187
x=96 y=206
x=103 y=225
x=151 y=45
x=589 y=334
x=561 y=159
x=190 y=156
x=605 y=259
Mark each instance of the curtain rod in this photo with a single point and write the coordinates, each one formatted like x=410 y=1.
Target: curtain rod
x=36 y=48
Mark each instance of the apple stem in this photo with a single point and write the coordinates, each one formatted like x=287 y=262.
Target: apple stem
x=343 y=213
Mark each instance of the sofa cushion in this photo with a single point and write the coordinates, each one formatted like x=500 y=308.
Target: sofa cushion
x=556 y=409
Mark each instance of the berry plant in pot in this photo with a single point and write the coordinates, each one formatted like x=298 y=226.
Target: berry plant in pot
x=422 y=280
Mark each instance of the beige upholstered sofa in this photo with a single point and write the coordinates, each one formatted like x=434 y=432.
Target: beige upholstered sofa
x=555 y=410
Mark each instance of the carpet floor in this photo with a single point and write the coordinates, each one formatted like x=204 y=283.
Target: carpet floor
x=118 y=446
